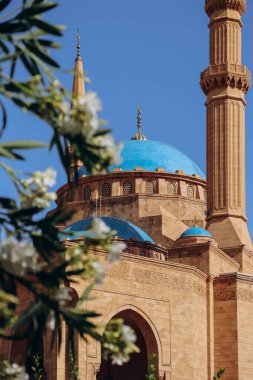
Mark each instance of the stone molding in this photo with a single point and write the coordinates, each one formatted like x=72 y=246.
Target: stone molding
x=180 y=284
x=227 y=74
x=214 y=5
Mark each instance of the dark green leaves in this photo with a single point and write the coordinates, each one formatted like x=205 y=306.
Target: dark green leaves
x=219 y=374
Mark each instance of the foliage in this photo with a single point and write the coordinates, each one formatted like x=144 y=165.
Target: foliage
x=152 y=369
x=73 y=366
x=37 y=369
x=219 y=374
x=32 y=253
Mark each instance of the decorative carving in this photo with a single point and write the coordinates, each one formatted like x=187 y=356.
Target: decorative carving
x=177 y=283
x=225 y=75
x=231 y=294
x=214 y=5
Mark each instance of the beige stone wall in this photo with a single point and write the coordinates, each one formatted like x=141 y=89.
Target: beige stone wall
x=171 y=298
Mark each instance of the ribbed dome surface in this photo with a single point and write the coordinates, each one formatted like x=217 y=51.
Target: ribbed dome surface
x=124 y=229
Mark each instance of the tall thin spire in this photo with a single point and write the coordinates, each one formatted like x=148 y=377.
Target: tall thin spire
x=139 y=135
x=78 y=45
x=78 y=82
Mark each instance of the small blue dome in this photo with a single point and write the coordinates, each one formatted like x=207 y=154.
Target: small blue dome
x=124 y=229
x=151 y=155
x=196 y=231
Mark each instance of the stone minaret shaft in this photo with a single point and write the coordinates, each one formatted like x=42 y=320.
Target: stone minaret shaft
x=225 y=82
x=77 y=91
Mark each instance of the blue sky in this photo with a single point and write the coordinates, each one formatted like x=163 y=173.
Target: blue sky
x=146 y=51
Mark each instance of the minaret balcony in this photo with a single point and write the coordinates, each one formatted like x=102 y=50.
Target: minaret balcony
x=214 y=5
x=226 y=74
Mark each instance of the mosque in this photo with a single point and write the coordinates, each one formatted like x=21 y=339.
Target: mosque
x=185 y=280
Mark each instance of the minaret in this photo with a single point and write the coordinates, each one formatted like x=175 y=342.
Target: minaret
x=78 y=82
x=225 y=82
x=78 y=90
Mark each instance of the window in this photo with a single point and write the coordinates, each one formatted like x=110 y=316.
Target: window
x=205 y=196
x=72 y=195
x=142 y=253
x=127 y=188
x=87 y=193
x=172 y=188
x=126 y=250
x=106 y=190
x=150 y=187
x=190 y=192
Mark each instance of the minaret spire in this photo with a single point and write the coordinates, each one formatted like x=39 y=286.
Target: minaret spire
x=139 y=135
x=225 y=82
x=78 y=82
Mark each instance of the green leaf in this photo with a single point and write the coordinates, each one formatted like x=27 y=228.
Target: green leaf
x=23 y=145
x=55 y=30
x=42 y=55
x=9 y=154
x=35 y=10
x=49 y=44
x=7 y=203
x=4 y=118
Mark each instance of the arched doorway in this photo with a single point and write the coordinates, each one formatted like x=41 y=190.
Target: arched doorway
x=136 y=368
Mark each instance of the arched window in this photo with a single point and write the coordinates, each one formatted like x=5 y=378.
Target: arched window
x=150 y=187
x=127 y=188
x=127 y=250
x=172 y=188
x=106 y=190
x=190 y=192
x=142 y=253
x=87 y=193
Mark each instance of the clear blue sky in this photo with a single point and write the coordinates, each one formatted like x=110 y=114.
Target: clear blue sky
x=144 y=51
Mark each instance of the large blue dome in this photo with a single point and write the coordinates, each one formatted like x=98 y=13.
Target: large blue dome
x=151 y=155
x=124 y=229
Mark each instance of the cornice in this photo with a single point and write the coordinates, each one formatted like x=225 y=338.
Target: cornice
x=214 y=5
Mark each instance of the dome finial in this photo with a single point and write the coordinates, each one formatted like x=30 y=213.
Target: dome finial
x=78 y=45
x=139 y=135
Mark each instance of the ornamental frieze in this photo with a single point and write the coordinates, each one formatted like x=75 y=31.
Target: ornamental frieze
x=232 y=75
x=177 y=283
x=215 y=5
x=231 y=294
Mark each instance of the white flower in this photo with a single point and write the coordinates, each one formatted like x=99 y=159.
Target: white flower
x=128 y=334
x=49 y=177
x=115 y=249
x=99 y=229
x=35 y=189
x=119 y=359
x=90 y=103
x=62 y=295
x=99 y=270
x=12 y=371
x=51 y=322
x=18 y=257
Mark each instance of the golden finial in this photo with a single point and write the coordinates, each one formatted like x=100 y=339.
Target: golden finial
x=78 y=44
x=139 y=135
x=139 y=118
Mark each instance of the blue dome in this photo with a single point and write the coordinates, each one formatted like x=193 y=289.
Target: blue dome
x=124 y=229
x=151 y=155
x=196 y=231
